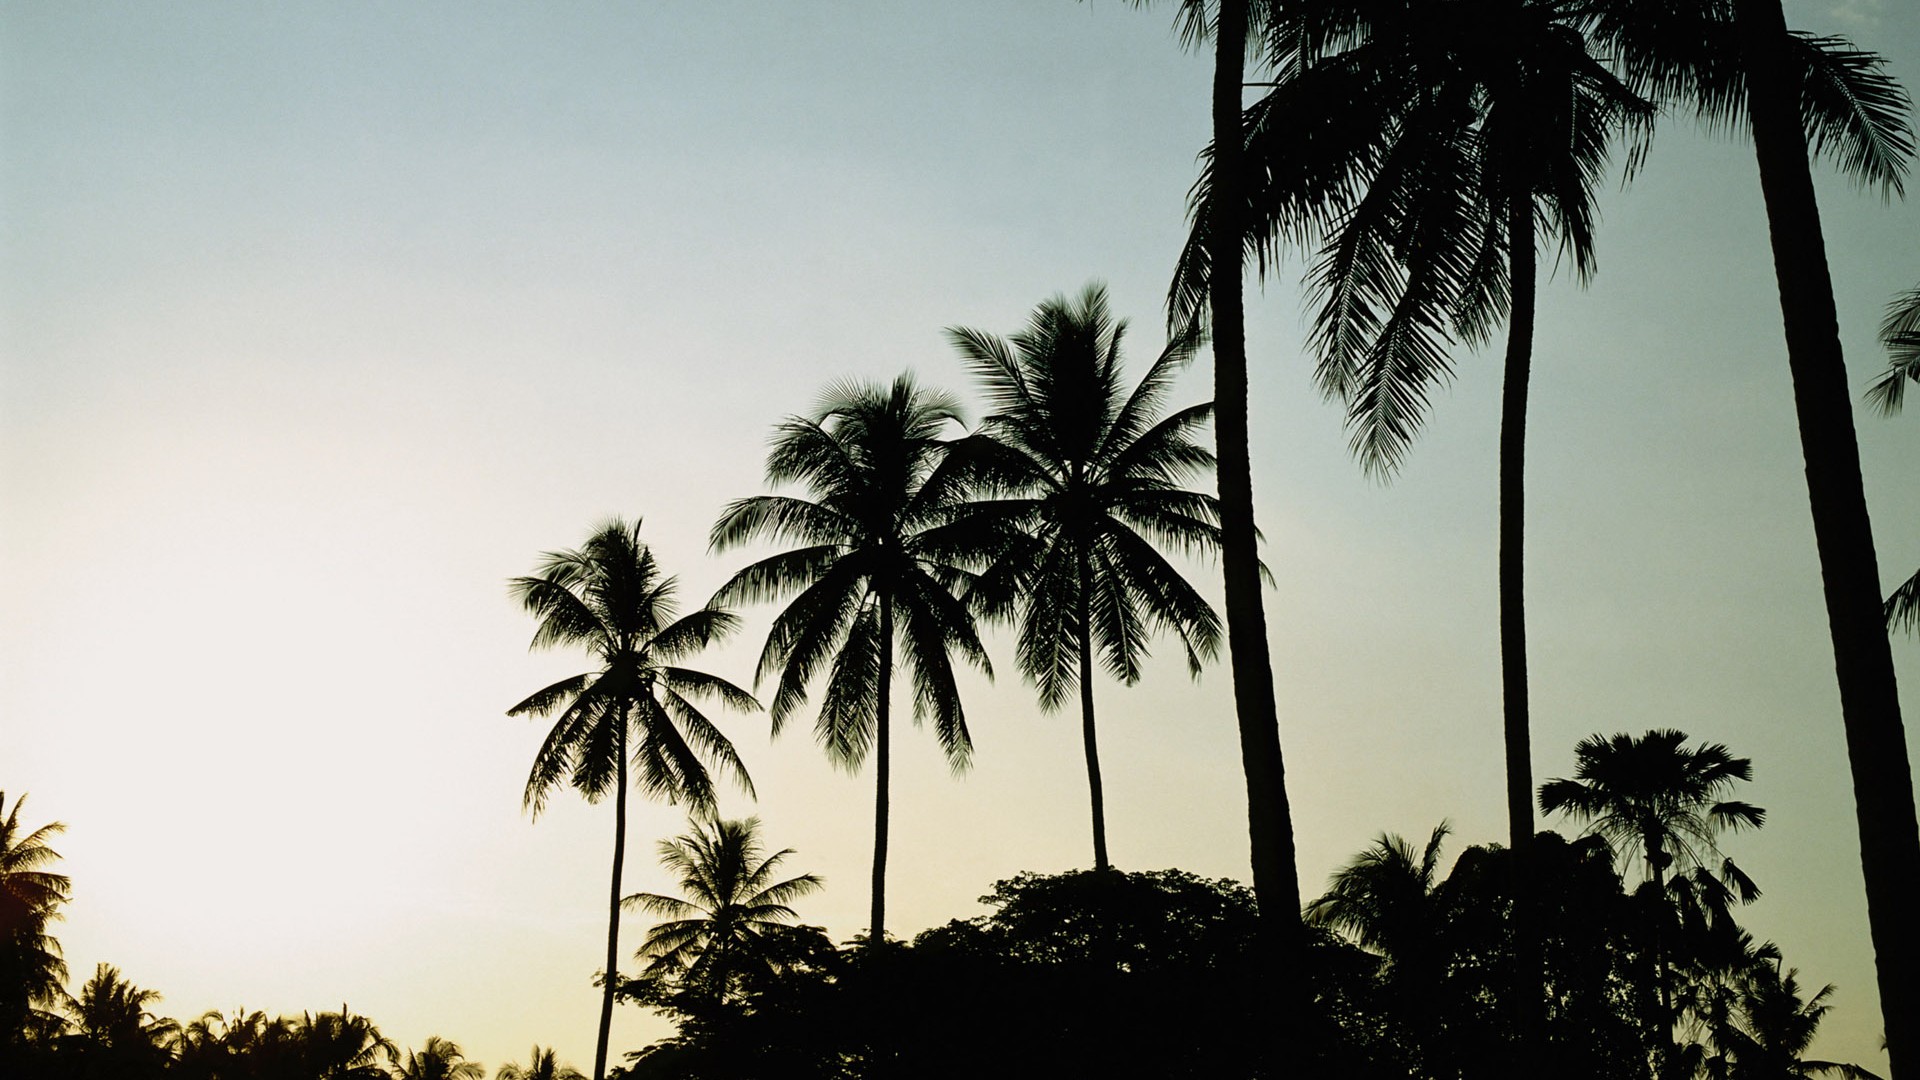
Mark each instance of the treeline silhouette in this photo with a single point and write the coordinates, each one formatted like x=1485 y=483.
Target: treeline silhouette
x=1408 y=970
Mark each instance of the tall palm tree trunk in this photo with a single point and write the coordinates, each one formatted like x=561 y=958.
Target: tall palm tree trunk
x=882 y=760
x=1843 y=533
x=1528 y=974
x=613 y=904
x=1276 y=884
x=1086 y=713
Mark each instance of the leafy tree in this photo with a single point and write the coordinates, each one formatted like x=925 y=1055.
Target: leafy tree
x=611 y=599
x=880 y=554
x=439 y=1059
x=1739 y=66
x=541 y=1065
x=31 y=968
x=734 y=920
x=1900 y=333
x=1090 y=475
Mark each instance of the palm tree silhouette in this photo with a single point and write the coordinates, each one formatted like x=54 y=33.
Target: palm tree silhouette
x=32 y=971
x=115 y=1024
x=1900 y=333
x=1736 y=62
x=1430 y=145
x=611 y=599
x=340 y=1046
x=1658 y=801
x=439 y=1059
x=733 y=916
x=879 y=558
x=541 y=1065
x=1759 y=1027
x=1086 y=468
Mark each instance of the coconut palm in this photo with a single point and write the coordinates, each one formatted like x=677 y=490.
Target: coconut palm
x=1221 y=226
x=341 y=1046
x=439 y=1059
x=637 y=708
x=1759 y=1027
x=31 y=969
x=733 y=916
x=541 y=1065
x=879 y=557
x=1737 y=63
x=1090 y=476
x=115 y=1027
x=1900 y=333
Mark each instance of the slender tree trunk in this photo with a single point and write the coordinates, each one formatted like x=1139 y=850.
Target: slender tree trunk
x=613 y=904
x=1843 y=533
x=1086 y=714
x=1276 y=884
x=882 y=760
x=1528 y=973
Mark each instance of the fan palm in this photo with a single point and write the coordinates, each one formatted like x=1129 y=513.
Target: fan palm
x=439 y=1059
x=1087 y=468
x=31 y=968
x=879 y=559
x=1657 y=800
x=733 y=914
x=1660 y=802
x=638 y=707
x=1737 y=63
x=1900 y=333
x=541 y=1065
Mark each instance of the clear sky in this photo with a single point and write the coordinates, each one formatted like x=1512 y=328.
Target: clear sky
x=318 y=322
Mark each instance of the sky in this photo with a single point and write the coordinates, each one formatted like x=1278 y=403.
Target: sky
x=319 y=322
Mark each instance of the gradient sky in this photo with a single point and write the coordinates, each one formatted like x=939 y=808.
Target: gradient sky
x=318 y=322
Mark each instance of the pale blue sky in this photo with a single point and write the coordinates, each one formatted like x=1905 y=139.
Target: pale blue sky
x=318 y=322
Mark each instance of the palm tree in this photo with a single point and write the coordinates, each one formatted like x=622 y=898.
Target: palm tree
x=1900 y=333
x=1760 y=1028
x=611 y=599
x=1087 y=468
x=440 y=1059
x=541 y=1065
x=31 y=969
x=115 y=1025
x=879 y=558
x=1738 y=64
x=1658 y=801
x=733 y=917
x=1221 y=228
x=341 y=1046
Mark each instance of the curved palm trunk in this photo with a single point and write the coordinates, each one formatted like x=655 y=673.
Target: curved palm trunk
x=882 y=758
x=613 y=905
x=1276 y=884
x=1528 y=974
x=1843 y=533
x=1086 y=715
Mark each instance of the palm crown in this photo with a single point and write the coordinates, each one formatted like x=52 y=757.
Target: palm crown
x=733 y=915
x=1655 y=799
x=882 y=549
x=1086 y=479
